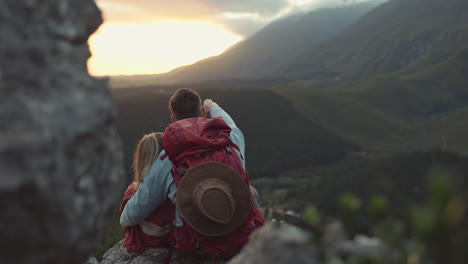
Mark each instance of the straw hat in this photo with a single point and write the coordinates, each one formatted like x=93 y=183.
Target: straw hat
x=213 y=199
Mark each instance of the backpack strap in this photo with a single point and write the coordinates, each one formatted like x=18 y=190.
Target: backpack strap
x=180 y=171
x=235 y=146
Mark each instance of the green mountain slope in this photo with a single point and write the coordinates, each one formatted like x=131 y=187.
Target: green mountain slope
x=412 y=109
x=387 y=39
x=446 y=131
x=396 y=79
x=352 y=119
x=401 y=178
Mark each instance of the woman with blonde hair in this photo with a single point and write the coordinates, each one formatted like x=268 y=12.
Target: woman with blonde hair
x=154 y=230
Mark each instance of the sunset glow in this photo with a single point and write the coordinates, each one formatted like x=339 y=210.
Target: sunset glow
x=300 y=2
x=127 y=49
x=157 y=36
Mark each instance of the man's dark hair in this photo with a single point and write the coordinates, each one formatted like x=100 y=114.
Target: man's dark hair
x=185 y=103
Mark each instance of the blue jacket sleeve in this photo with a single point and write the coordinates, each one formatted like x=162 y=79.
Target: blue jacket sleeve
x=152 y=192
x=236 y=134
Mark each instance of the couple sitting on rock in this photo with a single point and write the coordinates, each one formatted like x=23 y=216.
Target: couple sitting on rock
x=191 y=191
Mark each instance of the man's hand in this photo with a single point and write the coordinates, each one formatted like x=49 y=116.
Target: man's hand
x=208 y=104
x=154 y=230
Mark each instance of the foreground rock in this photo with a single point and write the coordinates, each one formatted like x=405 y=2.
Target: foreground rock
x=337 y=247
x=275 y=243
x=91 y=260
x=118 y=255
x=270 y=244
x=60 y=157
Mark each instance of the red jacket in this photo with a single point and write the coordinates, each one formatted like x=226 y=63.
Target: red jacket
x=135 y=239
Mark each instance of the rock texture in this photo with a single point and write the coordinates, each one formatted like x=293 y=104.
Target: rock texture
x=91 y=260
x=277 y=243
x=273 y=243
x=118 y=255
x=337 y=247
x=60 y=156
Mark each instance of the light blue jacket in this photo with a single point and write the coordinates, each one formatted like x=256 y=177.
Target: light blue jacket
x=158 y=183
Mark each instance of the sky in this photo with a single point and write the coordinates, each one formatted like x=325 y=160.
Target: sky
x=156 y=36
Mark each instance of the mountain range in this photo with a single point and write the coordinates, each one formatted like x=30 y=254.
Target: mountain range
x=395 y=80
x=336 y=45
x=383 y=76
x=387 y=39
x=266 y=53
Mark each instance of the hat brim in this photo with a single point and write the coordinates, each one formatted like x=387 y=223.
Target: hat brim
x=191 y=214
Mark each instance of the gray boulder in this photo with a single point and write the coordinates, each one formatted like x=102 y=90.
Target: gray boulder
x=60 y=156
x=118 y=255
x=337 y=247
x=277 y=243
x=91 y=260
x=271 y=244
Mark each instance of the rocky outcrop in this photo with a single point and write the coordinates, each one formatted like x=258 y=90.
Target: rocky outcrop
x=337 y=247
x=277 y=243
x=118 y=255
x=284 y=244
x=271 y=244
x=60 y=156
x=91 y=260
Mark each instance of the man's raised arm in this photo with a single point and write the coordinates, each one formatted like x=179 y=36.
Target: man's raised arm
x=152 y=192
x=236 y=134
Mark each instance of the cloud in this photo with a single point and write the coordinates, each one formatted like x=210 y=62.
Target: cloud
x=243 y=17
x=262 y=7
x=316 y=4
x=244 y=24
x=189 y=9
x=239 y=16
x=138 y=11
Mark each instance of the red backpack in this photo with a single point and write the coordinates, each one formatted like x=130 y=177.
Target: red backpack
x=189 y=142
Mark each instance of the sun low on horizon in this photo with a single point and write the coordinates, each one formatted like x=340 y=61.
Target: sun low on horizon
x=151 y=48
